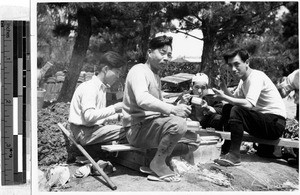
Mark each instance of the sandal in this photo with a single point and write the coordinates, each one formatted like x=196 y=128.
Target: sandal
x=227 y=161
x=165 y=178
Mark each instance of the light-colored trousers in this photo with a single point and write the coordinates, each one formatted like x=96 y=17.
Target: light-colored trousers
x=98 y=134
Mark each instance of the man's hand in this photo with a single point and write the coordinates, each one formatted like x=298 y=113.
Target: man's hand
x=220 y=81
x=219 y=94
x=118 y=106
x=181 y=110
x=185 y=98
x=209 y=110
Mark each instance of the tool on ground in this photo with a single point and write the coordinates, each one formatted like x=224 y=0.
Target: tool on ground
x=84 y=152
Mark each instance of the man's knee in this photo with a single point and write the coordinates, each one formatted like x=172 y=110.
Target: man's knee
x=179 y=125
x=237 y=113
x=226 y=109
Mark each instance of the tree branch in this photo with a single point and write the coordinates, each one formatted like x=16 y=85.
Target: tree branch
x=178 y=31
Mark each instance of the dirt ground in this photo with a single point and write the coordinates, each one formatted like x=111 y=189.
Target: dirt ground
x=254 y=174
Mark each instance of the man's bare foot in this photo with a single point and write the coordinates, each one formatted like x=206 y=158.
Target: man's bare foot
x=160 y=169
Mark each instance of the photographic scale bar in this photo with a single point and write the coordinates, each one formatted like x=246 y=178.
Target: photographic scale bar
x=15 y=100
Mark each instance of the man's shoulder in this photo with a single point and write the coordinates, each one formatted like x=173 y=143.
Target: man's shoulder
x=86 y=86
x=138 y=68
x=294 y=75
x=258 y=74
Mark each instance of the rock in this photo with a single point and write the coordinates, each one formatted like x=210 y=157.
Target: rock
x=42 y=181
x=180 y=166
x=58 y=175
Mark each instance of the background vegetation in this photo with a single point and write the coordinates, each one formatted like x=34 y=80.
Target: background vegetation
x=73 y=35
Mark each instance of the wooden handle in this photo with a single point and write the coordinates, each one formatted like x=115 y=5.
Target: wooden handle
x=103 y=174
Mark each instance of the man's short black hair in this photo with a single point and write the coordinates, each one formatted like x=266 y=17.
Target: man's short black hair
x=111 y=59
x=243 y=53
x=161 y=41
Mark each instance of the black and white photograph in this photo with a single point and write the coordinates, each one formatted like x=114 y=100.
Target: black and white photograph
x=178 y=97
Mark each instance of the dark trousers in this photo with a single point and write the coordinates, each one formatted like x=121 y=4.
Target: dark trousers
x=212 y=120
x=237 y=119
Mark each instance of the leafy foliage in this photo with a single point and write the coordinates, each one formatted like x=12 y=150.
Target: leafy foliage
x=221 y=23
x=254 y=25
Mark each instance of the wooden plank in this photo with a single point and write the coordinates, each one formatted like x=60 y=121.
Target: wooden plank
x=174 y=80
x=120 y=147
x=178 y=78
x=167 y=95
x=126 y=163
x=279 y=142
x=49 y=91
x=133 y=159
x=88 y=75
x=185 y=75
x=57 y=89
x=193 y=126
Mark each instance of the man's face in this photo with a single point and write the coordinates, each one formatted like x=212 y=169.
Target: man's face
x=158 y=58
x=112 y=75
x=199 y=89
x=237 y=66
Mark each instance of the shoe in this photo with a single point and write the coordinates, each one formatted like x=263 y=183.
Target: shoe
x=165 y=178
x=83 y=171
x=227 y=161
x=293 y=162
x=106 y=166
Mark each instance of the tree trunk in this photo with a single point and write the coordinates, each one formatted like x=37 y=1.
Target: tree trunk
x=144 y=41
x=208 y=58
x=207 y=64
x=78 y=56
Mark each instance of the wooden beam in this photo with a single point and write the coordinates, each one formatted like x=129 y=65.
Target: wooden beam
x=278 y=142
x=120 y=147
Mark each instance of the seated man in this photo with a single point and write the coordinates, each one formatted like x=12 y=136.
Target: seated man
x=88 y=111
x=289 y=84
x=255 y=107
x=209 y=112
x=154 y=123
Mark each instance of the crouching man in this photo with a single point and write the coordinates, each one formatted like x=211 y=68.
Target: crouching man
x=154 y=123
x=255 y=107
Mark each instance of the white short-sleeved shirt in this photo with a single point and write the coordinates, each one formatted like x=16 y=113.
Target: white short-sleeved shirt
x=261 y=92
x=89 y=95
x=291 y=83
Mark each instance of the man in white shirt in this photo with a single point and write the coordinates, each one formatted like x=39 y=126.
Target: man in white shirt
x=291 y=83
x=255 y=107
x=88 y=111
